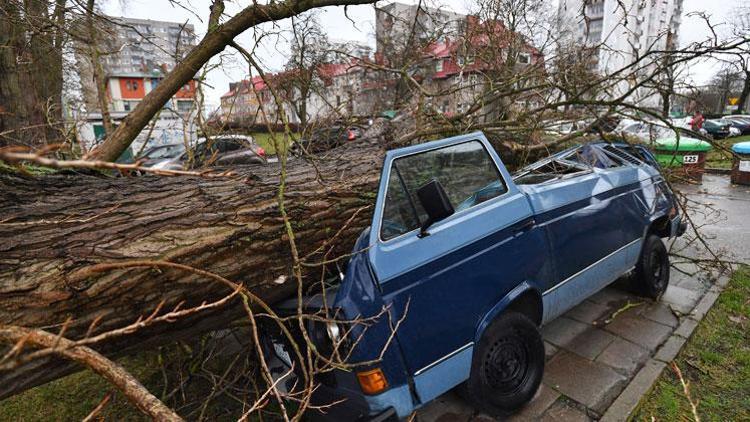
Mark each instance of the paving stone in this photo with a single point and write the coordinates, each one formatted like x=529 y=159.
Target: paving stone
x=705 y=304
x=562 y=412
x=641 y=331
x=620 y=410
x=686 y=328
x=592 y=384
x=590 y=343
x=452 y=417
x=587 y=312
x=609 y=295
x=669 y=350
x=661 y=313
x=623 y=356
x=446 y=408
x=562 y=330
x=691 y=283
x=681 y=299
x=543 y=399
x=549 y=350
x=722 y=281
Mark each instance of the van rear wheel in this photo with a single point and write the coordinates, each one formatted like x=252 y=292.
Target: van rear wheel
x=507 y=365
x=652 y=270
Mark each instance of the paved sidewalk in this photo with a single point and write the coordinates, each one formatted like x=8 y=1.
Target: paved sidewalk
x=598 y=366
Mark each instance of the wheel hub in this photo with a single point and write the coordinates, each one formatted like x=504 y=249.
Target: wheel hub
x=506 y=364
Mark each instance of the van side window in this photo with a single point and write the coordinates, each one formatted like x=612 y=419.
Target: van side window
x=466 y=171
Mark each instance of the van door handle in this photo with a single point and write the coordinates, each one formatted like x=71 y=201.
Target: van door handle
x=525 y=226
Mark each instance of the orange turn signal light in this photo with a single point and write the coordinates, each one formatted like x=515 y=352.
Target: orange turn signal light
x=373 y=381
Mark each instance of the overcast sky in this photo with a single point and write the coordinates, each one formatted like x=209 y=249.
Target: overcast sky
x=358 y=25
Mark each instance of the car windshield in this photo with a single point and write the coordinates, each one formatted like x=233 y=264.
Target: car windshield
x=165 y=151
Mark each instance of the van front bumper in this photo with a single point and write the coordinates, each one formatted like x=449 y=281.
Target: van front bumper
x=678 y=226
x=351 y=407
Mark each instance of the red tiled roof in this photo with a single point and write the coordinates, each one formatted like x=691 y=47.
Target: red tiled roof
x=244 y=86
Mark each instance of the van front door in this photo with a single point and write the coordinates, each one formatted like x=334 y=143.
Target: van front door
x=440 y=285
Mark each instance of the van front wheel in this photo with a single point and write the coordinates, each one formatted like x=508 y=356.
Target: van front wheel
x=507 y=365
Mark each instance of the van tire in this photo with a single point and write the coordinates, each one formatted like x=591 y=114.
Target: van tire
x=507 y=365
x=651 y=276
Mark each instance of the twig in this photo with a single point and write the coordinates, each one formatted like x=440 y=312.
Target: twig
x=686 y=390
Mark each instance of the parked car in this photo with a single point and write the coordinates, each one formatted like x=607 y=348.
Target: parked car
x=160 y=153
x=470 y=261
x=717 y=128
x=741 y=124
x=651 y=131
x=327 y=138
x=219 y=151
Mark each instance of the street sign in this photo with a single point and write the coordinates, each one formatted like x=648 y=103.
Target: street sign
x=734 y=100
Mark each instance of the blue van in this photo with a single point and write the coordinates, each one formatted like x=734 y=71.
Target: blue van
x=464 y=262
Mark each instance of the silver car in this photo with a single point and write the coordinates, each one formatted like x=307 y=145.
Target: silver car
x=221 y=150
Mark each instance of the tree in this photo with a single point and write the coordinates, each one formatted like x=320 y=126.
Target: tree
x=228 y=225
x=31 y=38
x=742 y=55
x=88 y=256
x=310 y=50
x=219 y=36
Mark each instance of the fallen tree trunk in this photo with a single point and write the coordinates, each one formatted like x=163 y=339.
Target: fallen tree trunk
x=54 y=228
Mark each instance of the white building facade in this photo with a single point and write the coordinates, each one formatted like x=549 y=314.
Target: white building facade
x=620 y=32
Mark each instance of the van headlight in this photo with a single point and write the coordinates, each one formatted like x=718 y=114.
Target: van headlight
x=334 y=331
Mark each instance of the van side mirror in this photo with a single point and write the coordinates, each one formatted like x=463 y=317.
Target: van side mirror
x=435 y=202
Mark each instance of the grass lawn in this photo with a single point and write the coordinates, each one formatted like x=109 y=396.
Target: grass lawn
x=189 y=370
x=265 y=140
x=718 y=158
x=715 y=362
x=75 y=396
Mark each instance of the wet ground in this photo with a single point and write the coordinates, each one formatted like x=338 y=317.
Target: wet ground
x=595 y=350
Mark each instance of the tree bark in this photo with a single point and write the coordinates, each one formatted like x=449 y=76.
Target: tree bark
x=744 y=94
x=100 y=78
x=56 y=227
x=217 y=38
x=31 y=72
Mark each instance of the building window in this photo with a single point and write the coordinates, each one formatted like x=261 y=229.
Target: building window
x=131 y=85
x=184 y=106
x=439 y=65
x=524 y=58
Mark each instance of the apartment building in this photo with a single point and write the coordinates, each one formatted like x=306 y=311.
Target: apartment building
x=333 y=92
x=397 y=22
x=459 y=65
x=621 y=31
x=462 y=68
x=136 y=54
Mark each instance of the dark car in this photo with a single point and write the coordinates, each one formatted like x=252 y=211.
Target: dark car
x=717 y=128
x=324 y=139
x=159 y=153
x=219 y=151
x=740 y=123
